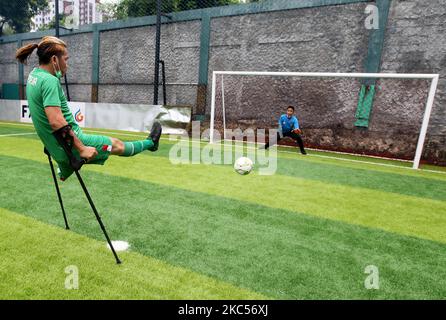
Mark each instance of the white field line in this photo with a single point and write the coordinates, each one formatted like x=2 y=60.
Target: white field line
x=282 y=151
x=16 y=134
x=17 y=124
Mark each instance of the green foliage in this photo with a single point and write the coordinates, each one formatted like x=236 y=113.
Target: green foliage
x=112 y=11
x=199 y=4
x=52 y=24
x=7 y=30
x=17 y=14
x=139 y=8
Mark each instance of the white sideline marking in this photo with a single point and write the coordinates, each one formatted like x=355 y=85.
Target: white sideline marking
x=119 y=245
x=16 y=134
x=16 y=124
x=118 y=133
x=360 y=161
x=248 y=147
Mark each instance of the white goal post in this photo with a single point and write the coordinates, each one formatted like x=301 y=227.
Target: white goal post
x=427 y=113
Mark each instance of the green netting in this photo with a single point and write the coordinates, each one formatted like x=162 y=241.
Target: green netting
x=365 y=103
x=10 y=91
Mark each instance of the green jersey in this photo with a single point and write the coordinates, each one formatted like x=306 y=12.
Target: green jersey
x=44 y=90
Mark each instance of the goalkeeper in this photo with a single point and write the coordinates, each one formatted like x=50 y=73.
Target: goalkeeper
x=51 y=114
x=289 y=127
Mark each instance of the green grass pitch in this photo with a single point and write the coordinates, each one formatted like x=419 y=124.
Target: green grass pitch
x=204 y=232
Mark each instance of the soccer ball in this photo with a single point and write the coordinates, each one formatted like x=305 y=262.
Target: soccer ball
x=243 y=165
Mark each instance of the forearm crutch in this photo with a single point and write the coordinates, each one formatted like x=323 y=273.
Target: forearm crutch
x=65 y=139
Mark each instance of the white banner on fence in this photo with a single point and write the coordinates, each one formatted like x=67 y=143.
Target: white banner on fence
x=129 y=117
x=138 y=117
x=25 y=114
x=77 y=109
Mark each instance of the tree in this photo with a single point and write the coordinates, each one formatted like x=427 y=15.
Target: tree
x=7 y=31
x=199 y=4
x=52 y=23
x=139 y=8
x=17 y=14
x=113 y=11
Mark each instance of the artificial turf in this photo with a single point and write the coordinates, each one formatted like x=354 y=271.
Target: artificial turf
x=37 y=259
x=307 y=232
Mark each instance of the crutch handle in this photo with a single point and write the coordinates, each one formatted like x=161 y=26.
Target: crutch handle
x=77 y=164
x=65 y=139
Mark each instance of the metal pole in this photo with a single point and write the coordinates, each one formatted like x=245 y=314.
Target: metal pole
x=332 y=74
x=163 y=72
x=59 y=196
x=425 y=124
x=57 y=26
x=98 y=218
x=223 y=106
x=157 y=52
x=57 y=18
x=211 y=133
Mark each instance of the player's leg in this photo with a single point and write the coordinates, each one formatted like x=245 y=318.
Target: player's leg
x=118 y=147
x=129 y=149
x=299 y=141
x=267 y=142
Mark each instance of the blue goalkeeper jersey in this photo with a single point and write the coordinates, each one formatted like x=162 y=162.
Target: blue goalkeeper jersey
x=288 y=124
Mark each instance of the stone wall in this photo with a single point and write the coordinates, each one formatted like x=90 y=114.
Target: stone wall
x=416 y=42
x=9 y=72
x=334 y=39
x=127 y=64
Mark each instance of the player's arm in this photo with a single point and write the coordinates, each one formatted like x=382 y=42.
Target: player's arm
x=57 y=121
x=296 y=126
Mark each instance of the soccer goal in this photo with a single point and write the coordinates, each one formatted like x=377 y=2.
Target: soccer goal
x=219 y=92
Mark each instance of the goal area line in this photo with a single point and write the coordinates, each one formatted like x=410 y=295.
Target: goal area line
x=246 y=144
x=117 y=132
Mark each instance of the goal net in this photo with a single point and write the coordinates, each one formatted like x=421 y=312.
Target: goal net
x=378 y=114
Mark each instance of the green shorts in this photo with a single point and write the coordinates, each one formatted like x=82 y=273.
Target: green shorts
x=103 y=145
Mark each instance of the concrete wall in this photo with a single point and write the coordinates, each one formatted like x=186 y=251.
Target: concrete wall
x=9 y=72
x=79 y=63
x=334 y=39
x=127 y=64
x=416 y=42
x=327 y=39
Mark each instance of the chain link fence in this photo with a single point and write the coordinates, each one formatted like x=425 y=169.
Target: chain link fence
x=118 y=10
x=19 y=16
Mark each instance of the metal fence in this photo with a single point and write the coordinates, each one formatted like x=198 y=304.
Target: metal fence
x=21 y=16
x=136 y=8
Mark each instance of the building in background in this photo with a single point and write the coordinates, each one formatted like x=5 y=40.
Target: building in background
x=88 y=11
x=77 y=12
